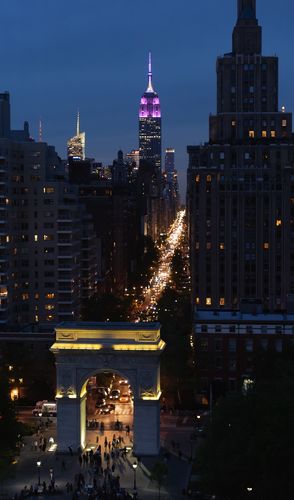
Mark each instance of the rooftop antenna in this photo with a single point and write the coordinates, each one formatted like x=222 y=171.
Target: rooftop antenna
x=40 y=131
x=150 y=86
x=78 y=123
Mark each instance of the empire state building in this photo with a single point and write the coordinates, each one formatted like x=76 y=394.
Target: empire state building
x=150 y=124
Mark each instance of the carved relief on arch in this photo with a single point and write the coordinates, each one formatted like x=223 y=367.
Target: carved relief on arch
x=147 y=383
x=66 y=382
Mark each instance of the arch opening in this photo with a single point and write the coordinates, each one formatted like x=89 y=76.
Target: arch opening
x=107 y=408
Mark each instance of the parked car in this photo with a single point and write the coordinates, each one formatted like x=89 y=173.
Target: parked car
x=107 y=409
x=124 y=398
x=100 y=403
x=103 y=390
x=115 y=394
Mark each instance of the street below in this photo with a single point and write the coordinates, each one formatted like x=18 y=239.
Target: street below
x=146 y=310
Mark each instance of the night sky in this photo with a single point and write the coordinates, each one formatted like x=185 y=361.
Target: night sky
x=58 y=55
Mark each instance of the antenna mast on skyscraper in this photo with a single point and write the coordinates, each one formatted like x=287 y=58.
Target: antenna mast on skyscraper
x=40 y=131
x=78 y=123
x=150 y=86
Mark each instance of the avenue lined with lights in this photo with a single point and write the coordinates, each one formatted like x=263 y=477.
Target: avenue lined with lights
x=158 y=282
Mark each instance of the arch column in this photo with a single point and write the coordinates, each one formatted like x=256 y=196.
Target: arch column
x=146 y=427
x=68 y=424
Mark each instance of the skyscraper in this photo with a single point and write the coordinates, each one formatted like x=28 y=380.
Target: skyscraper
x=169 y=164
x=241 y=184
x=150 y=124
x=76 y=146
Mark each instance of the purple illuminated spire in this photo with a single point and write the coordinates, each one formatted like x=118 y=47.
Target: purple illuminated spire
x=150 y=104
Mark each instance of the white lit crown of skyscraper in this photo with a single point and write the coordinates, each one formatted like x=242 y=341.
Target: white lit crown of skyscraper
x=76 y=146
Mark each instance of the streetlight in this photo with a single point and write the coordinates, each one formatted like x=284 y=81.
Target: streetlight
x=39 y=463
x=135 y=465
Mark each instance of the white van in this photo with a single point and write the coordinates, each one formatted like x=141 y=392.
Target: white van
x=45 y=409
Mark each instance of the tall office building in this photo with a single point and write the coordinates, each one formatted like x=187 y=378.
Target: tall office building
x=150 y=124
x=240 y=194
x=76 y=146
x=171 y=188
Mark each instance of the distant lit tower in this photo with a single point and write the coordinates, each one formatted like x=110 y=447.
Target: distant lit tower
x=76 y=145
x=169 y=163
x=150 y=124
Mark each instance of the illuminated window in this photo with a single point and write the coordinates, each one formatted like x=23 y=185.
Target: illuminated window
x=48 y=190
x=278 y=222
x=3 y=291
x=36 y=296
x=197 y=300
x=36 y=237
x=222 y=301
x=233 y=123
x=50 y=317
x=48 y=237
x=208 y=178
x=197 y=245
x=7 y=239
x=251 y=134
x=273 y=133
x=49 y=307
x=221 y=246
x=25 y=296
x=50 y=295
x=208 y=301
x=208 y=246
x=197 y=178
x=264 y=133
x=266 y=246
x=284 y=123
x=36 y=318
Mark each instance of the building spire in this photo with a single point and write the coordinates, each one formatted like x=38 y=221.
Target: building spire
x=78 y=123
x=246 y=10
x=150 y=86
x=40 y=131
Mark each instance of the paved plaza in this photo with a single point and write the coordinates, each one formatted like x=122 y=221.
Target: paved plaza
x=65 y=468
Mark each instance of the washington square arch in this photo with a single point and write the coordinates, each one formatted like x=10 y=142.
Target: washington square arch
x=131 y=350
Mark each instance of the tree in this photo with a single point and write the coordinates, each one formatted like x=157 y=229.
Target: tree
x=147 y=258
x=250 y=442
x=158 y=474
x=175 y=318
x=107 y=307
x=8 y=422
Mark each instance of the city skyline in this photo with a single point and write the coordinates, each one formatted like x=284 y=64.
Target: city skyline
x=57 y=79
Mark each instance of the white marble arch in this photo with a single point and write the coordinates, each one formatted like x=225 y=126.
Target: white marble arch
x=130 y=349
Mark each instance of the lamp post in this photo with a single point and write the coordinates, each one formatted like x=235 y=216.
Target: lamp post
x=39 y=463
x=51 y=471
x=135 y=465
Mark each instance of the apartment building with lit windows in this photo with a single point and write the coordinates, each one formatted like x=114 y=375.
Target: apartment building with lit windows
x=42 y=233
x=229 y=345
x=240 y=196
